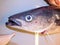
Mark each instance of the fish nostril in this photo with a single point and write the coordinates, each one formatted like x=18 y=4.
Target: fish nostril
x=10 y=18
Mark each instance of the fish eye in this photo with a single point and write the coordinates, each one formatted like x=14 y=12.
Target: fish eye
x=28 y=18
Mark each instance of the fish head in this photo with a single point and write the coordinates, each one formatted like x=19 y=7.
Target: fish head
x=33 y=20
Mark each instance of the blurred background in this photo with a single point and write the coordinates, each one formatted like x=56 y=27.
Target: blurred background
x=10 y=7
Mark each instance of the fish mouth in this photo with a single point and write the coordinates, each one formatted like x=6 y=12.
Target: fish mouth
x=13 y=22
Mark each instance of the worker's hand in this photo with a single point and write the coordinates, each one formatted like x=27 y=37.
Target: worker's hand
x=54 y=3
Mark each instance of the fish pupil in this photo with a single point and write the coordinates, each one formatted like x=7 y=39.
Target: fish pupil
x=28 y=17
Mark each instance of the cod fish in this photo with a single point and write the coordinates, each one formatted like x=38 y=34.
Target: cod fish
x=42 y=19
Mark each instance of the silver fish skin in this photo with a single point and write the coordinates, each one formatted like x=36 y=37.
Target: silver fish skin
x=39 y=19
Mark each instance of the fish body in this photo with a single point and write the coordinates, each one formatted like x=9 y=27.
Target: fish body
x=39 y=19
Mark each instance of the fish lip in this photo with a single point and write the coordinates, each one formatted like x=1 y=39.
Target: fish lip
x=13 y=22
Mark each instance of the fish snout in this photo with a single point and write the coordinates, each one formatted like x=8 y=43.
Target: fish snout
x=13 y=22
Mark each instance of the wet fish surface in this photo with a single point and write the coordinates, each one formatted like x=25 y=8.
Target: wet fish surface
x=39 y=19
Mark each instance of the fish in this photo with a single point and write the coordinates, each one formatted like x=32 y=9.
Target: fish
x=42 y=19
